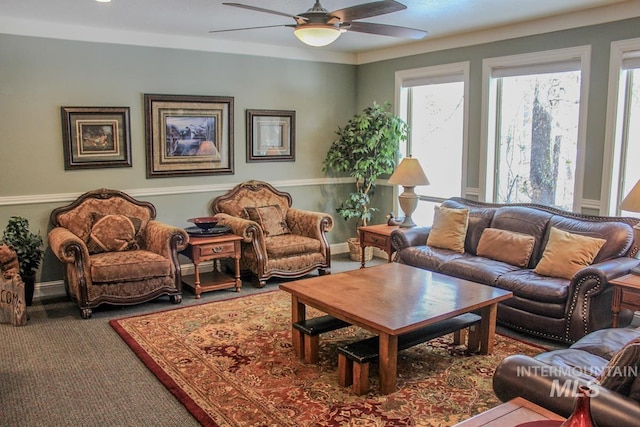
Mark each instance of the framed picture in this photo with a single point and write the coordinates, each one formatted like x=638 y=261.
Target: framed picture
x=188 y=135
x=96 y=137
x=271 y=136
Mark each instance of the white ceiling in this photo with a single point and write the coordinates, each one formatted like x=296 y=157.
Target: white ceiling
x=191 y=20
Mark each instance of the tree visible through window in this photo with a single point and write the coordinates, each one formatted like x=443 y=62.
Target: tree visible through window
x=537 y=138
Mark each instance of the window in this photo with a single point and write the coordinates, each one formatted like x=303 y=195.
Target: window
x=623 y=124
x=433 y=101
x=533 y=127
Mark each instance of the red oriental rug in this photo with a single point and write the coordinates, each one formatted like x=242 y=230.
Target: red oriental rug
x=231 y=363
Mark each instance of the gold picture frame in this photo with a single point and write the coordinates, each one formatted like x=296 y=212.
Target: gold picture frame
x=188 y=135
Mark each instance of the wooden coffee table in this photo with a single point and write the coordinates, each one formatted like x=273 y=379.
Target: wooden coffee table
x=510 y=414
x=390 y=300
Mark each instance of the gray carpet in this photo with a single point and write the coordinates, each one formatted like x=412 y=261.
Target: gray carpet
x=60 y=370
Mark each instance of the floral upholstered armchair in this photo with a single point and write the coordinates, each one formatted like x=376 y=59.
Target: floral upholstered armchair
x=114 y=251
x=279 y=241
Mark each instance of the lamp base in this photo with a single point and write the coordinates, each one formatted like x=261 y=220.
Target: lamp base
x=407 y=223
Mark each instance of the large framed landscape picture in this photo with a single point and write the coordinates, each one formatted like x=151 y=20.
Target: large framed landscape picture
x=95 y=137
x=188 y=135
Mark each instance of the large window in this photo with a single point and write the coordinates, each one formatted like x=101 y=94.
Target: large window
x=624 y=123
x=533 y=128
x=433 y=102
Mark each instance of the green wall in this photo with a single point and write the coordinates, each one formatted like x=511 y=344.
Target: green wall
x=38 y=76
x=376 y=82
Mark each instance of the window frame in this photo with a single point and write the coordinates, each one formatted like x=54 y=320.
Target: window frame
x=613 y=145
x=488 y=131
x=434 y=74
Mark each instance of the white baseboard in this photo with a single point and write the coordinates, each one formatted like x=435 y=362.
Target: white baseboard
x=56 y=288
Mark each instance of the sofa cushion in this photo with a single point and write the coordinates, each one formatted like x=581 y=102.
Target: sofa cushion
x=527 y=284
x=566 y=253
x=578 y=363
x=271 y=219
x=606 y=342
x=618 y=235
x=113 y=233
x=523 y=220
x=286 y=245
x=476 y=268
x=426 y=257
x=479 y=219
x=449 y=229
x=622 y=370
x=109 y=267
x=507 y=246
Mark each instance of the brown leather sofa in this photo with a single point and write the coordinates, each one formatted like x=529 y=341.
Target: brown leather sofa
x=554 y=308
x=607 y=361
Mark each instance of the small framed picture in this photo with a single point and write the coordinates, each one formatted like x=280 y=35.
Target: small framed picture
x=188 y=135
x=271 y=136
x=96 y=137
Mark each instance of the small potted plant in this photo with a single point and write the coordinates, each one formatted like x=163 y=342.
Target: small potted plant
x=28 y=247
x=365 y=148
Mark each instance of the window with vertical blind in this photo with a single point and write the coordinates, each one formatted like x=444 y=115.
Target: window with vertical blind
x=434 y=103
x=625 y=122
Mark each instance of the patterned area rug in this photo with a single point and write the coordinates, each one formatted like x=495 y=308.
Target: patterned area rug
x=231 y=363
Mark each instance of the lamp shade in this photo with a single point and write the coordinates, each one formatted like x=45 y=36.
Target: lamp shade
x=632 y=201
x=317 y=34
x=409 y=173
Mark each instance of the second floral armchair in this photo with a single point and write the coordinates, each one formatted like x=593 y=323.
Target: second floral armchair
x=279 y=241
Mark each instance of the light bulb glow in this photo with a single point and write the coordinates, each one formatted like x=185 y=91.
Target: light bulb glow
x=317 y=35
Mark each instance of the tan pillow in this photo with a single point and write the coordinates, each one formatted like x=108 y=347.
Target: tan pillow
x=566 y=253
x=113 y=233
x=449 y=229
x=270 y=218
x=506 y=246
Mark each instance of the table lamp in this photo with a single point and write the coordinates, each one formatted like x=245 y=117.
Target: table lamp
x=632 y=203
x=409 y=173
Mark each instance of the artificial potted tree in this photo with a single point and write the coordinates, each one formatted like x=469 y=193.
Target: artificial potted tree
x=28 y=247
x=366 y=148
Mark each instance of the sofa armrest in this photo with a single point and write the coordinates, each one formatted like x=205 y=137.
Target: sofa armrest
x=309 y=223
x=523 y=376
x=164 y=239
x=406 y=237
x=250 y=231
x=71 y=250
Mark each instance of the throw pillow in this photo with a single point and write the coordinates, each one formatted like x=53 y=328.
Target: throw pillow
x=566 y=253
x=270 y=218
x=449 y=229
x=506 y=246
x=621 y=372
x=113 y=233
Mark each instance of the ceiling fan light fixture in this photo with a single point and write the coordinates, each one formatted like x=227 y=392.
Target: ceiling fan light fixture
x=317 y=35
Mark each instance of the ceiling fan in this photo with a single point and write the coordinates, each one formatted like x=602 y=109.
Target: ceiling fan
x=318 y=27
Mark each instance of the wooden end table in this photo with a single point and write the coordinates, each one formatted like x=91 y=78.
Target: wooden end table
x=626 y=295
x=378 y=236
x=213 y=248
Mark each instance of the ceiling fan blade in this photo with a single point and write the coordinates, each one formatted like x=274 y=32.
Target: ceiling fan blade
x=365 y=10
x=250 y=28
x=299 y=19
x=385 y=30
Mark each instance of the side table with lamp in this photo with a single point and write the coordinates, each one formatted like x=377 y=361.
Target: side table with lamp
x=210 y=242
x=626 y=289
